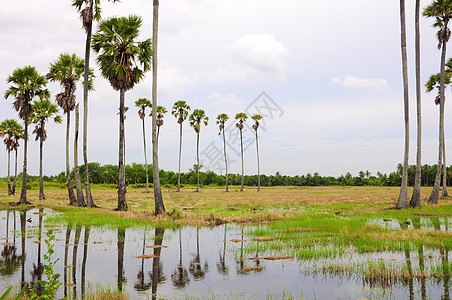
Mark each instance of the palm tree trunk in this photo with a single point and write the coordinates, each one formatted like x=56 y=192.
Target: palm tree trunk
x=23 y=193
x=41 y=183
x=145 y=158
x=70 y=188
x=159 y=206
x=180 y=151
x=225 y=161
x=444 y=194
x=13 y=191
x=122 y=203
x=416 y=197
x=78 y=183
x=435 y=192
x=197 y=159
x=243 y=168
x=89 y=198
x=258 y=165
x=9 y=168
x=402 y=202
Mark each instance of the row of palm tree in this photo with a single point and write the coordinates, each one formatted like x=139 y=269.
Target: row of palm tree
x=12 y=132
x=441 y=11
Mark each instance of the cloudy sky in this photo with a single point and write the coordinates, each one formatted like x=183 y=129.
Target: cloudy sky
x=326 y=75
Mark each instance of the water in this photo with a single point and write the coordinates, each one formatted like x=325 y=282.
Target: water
x=197 y=263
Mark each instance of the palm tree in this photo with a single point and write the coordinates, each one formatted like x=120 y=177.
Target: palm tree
x=9 y=128
x=402 y=202
x=161 y=110
x=78 y=182
x=241 y=117
x=256 y=119
x=158 y=198
x=120 y=57
x=180 y=111
x=27 y=83
x=221 y=119
x=17 y=136
x=68 y=70
x=196 y=119
x=441 y=10
x=90 y=12
x=416 y=196
x=434 y=83
x=42 y=111
x=142 y=103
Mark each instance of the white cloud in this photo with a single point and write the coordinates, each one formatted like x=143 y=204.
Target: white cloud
x=220 y=99
x=352 y=82
x=172 y=82
x=262 y=52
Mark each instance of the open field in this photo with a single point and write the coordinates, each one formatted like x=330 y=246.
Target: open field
x=214 y=205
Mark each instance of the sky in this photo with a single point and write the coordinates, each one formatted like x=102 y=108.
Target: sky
x=326 y=76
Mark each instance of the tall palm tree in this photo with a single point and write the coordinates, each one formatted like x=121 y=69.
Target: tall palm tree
x=68 y=69
x=17 y=136
x=441 y=10
x=434 y=83
x=158 y=198
x=402 y=202
x=221 y=119
x=241 y=117
x=42 y=111
x=89 y=11
x=26 y=84
x=123 y=61
x=416 y=196
x=256 y=119
x=142 y=103
x=78 y=182
x=180 y=112
x=161 y=110
x=196 y=119
x=9 y=128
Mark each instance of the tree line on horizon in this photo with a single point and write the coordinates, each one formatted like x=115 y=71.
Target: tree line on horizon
x=136 y=177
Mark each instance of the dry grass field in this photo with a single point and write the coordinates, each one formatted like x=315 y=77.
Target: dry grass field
x=214 y=205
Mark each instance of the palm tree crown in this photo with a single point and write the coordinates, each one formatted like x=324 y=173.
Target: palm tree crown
x=119 y=55
x=221 y=119
x=42 y=111
x=27 y=83
x=180 y=111
x=68 y=69
x=441 y=10
x=143 y=103
x=241 y=117
x=9 y=129
x=197 y=118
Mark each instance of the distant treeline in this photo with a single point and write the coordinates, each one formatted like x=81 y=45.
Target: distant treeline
x=136 y=175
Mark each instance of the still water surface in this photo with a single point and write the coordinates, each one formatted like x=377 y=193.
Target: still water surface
x=190 y=262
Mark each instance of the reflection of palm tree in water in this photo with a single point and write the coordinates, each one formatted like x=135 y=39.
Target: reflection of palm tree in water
x=10 y=261
x=196 y=268
x=121 y=241
x=23 y=227
x=241 y=263
x=420 y=248
x=221 y=264
x=157 y=269
x=180 y=275
x=141 y=285
x=404 y=226
x=38 y=269
x=78 y=230
x=66 y=249
x=444 y=253
x=85 y=256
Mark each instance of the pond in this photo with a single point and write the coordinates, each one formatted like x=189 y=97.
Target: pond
x=204 y=263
